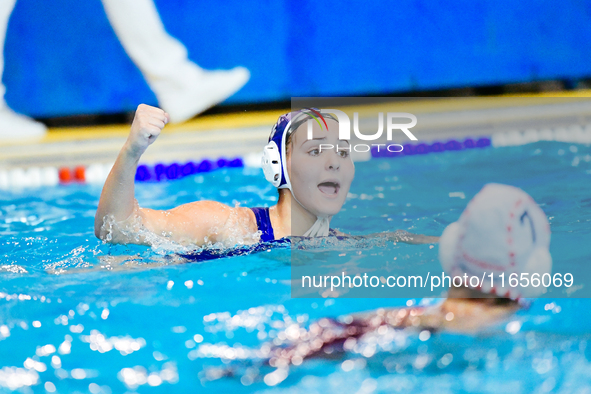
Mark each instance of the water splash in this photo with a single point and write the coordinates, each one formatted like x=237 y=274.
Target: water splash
x=234 y=232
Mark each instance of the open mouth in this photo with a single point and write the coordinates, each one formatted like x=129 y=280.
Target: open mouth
x=330 y=187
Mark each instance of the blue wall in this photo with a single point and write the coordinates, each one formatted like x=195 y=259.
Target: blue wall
x=63 y=58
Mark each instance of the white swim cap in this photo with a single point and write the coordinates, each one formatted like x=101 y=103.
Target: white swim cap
x=274 y=159
x=502 y=230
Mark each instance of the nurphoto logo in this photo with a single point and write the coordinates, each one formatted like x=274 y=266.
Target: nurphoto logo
x=345 y=129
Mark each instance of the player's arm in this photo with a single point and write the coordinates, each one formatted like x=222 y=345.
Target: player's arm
x=196 y=223
x=117 y=198
x=411 y=238
x=395 y=236
x=119 y=219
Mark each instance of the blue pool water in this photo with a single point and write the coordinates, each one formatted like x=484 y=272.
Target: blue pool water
x=77 y=315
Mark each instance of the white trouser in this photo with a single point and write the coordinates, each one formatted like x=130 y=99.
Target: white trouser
x=161 y=58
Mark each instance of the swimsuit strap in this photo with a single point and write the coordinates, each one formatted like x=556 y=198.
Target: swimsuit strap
x=264 y=223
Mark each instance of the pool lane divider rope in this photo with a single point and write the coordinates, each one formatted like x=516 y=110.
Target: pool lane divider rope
x=35 y=177
x=579 y=134
x=163 y=172
x=434 y=147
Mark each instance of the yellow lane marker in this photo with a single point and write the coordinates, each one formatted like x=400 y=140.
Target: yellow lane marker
x=209 y=122
x=268 y=118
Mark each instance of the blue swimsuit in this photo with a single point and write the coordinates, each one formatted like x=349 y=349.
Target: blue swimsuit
x=267 y=238
x=264 y=223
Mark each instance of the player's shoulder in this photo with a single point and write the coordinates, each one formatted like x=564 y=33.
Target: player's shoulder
x=216 y=211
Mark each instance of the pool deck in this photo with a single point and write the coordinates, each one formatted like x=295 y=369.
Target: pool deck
x=243 y=133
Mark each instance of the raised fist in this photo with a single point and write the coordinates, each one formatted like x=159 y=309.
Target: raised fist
x=147 y=124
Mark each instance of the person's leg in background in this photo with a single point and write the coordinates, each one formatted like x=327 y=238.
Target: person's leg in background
x=182 y=88
x=13 y=126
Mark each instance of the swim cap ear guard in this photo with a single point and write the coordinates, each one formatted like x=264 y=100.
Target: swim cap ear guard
x=501 y=231
x=271 y=163
x=540 y=262
x=273 y=160
x=447 y=246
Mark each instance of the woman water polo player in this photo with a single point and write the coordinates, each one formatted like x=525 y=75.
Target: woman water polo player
x=502 y=231
x=313 y=186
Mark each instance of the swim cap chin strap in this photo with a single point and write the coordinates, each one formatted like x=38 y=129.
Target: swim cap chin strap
x=319 y=228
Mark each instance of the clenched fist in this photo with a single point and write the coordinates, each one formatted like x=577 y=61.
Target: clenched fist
x=147 y=124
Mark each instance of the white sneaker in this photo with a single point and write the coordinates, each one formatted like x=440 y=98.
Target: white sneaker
x=14 y=127
x=211 y=88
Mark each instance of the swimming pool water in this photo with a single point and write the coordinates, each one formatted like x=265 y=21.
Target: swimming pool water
x=81 y=316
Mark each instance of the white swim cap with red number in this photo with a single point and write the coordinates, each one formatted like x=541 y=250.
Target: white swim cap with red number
x=502 y=230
